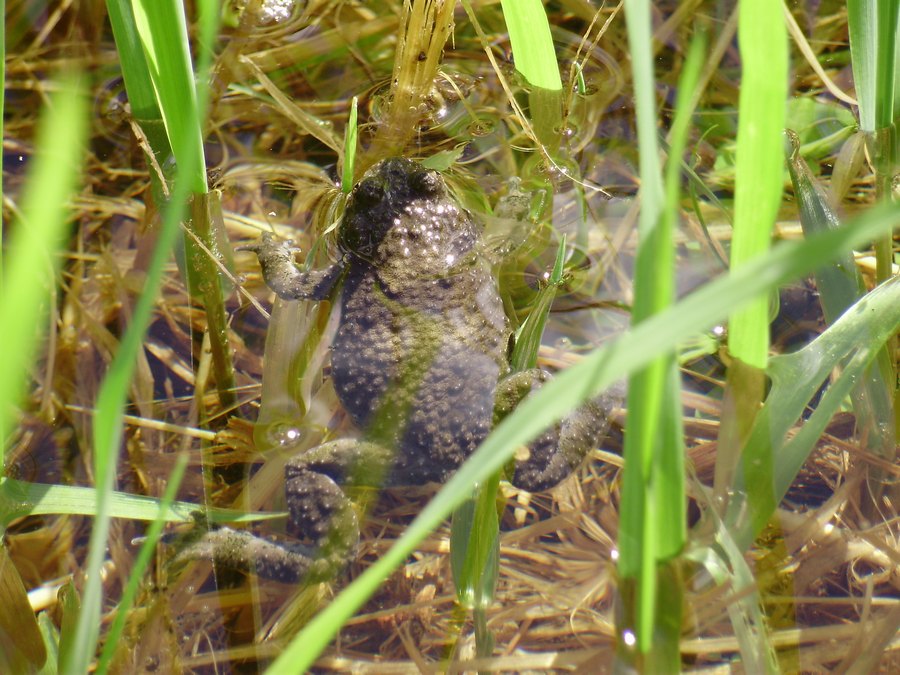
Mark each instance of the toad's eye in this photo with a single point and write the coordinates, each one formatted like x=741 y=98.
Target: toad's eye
x=426 y=182
x=368 y=193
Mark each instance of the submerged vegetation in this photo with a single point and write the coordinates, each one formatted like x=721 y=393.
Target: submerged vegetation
x=628 y=164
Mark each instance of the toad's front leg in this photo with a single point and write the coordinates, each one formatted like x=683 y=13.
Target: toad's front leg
x=321 y=516
x=282 y=275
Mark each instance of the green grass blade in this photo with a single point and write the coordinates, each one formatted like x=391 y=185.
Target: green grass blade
x=532 y=44
x=873 y=49
x=839 y=284
x=33 y=252
x=475 y=547
x=632 y=350
x=874 y=29
x=535 y=58
x=759 y=170
x=530 y=333
x=350 y=140
x=51 y=643
x=647 y=390
x=19 y=499
x=162 y=31
x=70 y=609
x=160 y=27
x=136 y=73
x=727 y=566
x=653 y=529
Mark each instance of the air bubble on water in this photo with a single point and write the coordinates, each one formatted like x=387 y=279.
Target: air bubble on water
x=283 y=435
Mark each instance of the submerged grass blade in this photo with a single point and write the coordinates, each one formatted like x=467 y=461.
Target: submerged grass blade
x=629 y=352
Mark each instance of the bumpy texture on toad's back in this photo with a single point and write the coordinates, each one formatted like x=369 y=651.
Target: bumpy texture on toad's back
x=423 y=335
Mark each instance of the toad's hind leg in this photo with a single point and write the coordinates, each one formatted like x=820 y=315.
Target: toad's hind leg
x=320 y=513
x=560 y=449
x=319 y=509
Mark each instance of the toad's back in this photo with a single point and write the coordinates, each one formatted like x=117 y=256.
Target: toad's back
x=423 y=335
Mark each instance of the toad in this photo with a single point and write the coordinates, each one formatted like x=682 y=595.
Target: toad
x=420 y=363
